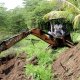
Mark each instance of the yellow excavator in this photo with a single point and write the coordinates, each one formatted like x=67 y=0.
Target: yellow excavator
x=52 y=41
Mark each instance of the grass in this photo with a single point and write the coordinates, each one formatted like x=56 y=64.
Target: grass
x=75 y=36
x=39 y=72
x=42 y=71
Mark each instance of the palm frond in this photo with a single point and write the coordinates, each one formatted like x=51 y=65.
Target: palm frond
x=76 y=22
x=65 y=6
x=71 y=7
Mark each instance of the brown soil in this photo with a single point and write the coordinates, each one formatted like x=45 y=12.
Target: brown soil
x=12 y=67
x=67 y=66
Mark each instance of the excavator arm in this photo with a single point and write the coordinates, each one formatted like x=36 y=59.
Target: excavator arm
x=6 y=44
x=44 y=36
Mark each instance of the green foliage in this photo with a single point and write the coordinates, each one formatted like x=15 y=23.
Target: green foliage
x=75 y=2
x=3 y=17
x=31 y=15
x=39 y=72
x=73 y=9
x=30 y=5
x=40 y=11
x=42 y=71
x=77 y=22
x=75 y=36
x=18 y=23
x=36 y=12
x=67 y=10
x=70 y=7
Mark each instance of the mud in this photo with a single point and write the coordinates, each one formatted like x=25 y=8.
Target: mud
x=67 y=66
x=12 y=67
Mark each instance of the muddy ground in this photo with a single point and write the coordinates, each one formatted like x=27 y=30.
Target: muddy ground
x=12 y=67
x=67 y=66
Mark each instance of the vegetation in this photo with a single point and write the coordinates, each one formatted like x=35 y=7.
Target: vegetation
x=65 y=10
x=31 y=16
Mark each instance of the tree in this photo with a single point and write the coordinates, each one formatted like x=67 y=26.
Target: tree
x=3 y=16
x=18 y=23
x=15 y=20
x=68 y=11
x=35 y=11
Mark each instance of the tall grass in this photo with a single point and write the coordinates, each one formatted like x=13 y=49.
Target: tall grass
x=42 y=71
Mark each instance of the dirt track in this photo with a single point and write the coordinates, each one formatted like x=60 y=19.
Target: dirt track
x=12 y=67
x=67 y=66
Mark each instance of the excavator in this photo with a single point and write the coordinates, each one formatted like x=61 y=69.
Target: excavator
x=48 y=38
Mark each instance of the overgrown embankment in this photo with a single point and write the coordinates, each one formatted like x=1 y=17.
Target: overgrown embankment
x=67 y=66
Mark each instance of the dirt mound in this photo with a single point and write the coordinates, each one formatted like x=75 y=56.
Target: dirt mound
x=67 y=66
x=12 y=67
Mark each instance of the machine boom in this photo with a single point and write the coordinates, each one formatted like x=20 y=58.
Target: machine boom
x=4 y=45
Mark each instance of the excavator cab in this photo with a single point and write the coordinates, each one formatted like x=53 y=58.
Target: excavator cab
x=60 y=32
x=56 y=29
